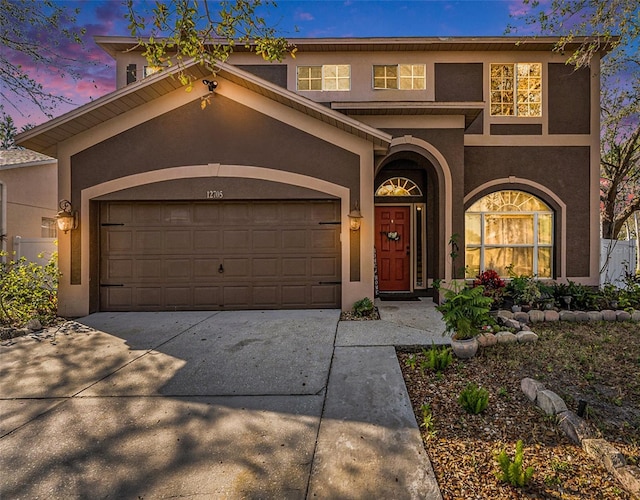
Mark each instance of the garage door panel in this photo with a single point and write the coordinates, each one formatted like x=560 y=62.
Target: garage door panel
x=178 y=268
x=178 y=297
x=177 y=241
x=266 y=296
x=148 y=296
x=236 y=268
x=323 y=295
x=146 y=214
x=205 y=268
x=265 y=268
x=120 y=241
x=148 y=269
x=324 y=267
x=294 y=296
x=219 y=255
x=236 y=213
x=294 y=239
x=176 y=214
x=324 y=239
x=206 y=240
x=294 y=267
x=120 y=269
x=148 y=241
x=116 y=298
x=237 y=296
x=265 y=239
x=207 y=297
x=206 y=214
x=234 y=240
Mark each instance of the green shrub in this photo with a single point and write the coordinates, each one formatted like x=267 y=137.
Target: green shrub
x=511 y=471
x=474 y=399
x=465 y=311
x=363 y=307
x=436 y=359
x=28 y=290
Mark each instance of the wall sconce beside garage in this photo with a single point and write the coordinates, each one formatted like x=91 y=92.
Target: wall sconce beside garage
x=67 y=218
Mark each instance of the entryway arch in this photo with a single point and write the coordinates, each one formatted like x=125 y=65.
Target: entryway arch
x=419 y=165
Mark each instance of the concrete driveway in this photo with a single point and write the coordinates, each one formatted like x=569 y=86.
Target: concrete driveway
x=253 y=404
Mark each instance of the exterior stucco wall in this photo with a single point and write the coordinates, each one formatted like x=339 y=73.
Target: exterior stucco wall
x=561 y=170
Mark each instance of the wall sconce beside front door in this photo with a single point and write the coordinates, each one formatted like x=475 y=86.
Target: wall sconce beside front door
x=355 y=218
x=67 y=218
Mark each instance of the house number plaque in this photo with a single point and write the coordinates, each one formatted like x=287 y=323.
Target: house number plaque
x=214 y=195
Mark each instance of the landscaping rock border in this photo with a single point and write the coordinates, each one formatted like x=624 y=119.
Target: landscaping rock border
x=583 y=434
x=538 y=316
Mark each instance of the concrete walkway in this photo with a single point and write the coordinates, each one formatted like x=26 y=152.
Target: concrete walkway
x=251 y=404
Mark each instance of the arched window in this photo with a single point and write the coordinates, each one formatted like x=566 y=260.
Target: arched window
x=398 y=186
x=509 y=228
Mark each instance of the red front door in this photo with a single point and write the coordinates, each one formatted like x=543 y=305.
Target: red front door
x=393 y=244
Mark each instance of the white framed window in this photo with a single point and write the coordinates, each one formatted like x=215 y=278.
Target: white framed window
x=325 y=77
x=509 y=229
x=516 y=89
x=400 y=76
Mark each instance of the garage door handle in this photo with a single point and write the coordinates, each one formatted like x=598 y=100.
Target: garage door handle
x=221 y=269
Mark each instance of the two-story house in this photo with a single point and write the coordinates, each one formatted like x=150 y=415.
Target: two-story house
x=460 y=154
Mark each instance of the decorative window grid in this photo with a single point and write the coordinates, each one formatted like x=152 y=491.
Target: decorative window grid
x=327 y=77
x=509 y=229
x=516 y=89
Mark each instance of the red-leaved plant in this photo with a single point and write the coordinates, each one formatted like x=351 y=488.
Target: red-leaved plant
x=493 y=285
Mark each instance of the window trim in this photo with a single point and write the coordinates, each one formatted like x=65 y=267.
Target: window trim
x=322 y=78
x=535 y=245
x=399 y=77
x=515 y=114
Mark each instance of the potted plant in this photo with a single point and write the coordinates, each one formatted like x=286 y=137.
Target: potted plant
x=465 y=311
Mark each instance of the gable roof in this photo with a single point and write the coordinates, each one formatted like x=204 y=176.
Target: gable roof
x=45 y=137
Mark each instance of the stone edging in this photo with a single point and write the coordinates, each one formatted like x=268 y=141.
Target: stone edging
x=538 y=316
x=583 y=434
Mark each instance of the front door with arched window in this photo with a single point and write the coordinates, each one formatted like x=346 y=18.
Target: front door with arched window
x=399 y=234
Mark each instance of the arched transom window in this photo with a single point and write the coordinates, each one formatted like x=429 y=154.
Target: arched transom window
x=398 y=186
x=509 y=228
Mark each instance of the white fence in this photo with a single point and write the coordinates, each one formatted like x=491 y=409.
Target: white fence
x=31 y=248
x=616 y=258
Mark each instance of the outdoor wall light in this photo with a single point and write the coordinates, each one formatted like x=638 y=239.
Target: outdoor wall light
x=67 y=218
x=355 y=217
x=212 y=84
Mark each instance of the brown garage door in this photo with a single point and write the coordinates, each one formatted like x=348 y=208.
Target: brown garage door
x=163 y=256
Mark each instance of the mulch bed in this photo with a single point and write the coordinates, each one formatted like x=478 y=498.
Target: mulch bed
x=597 y=363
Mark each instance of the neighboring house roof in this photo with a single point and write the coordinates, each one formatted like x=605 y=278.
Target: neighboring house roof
x=44 y=137
x=16 y=158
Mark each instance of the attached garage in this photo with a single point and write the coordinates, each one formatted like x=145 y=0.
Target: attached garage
x=203 y=255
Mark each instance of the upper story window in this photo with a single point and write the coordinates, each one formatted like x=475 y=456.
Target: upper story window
x=399 y=76
x=325 y=77
x=516 y=89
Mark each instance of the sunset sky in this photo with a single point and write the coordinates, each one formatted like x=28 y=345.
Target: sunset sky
x=294 y=19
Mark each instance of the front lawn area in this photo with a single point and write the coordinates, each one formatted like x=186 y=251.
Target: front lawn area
x=595 y=362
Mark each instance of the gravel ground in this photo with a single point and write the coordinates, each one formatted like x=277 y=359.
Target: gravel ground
x=599 y=363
